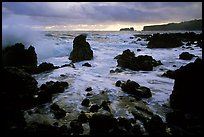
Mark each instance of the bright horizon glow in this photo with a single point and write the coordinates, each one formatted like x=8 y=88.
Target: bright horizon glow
x=98 y=27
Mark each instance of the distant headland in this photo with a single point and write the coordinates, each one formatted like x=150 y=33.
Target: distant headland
x=127 y=29
x=185 y=25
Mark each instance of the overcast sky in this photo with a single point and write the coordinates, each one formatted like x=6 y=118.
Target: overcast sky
x=96 y=15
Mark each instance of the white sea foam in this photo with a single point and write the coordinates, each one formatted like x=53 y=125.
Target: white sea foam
x=105 y=47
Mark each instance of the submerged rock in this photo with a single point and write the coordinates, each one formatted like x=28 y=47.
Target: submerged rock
x=81 y=49
x=142 y=62
x=88 y=89
x=86 y=64
x=135 y=89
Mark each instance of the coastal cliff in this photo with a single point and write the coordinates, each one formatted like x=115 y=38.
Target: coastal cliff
x=186 y=25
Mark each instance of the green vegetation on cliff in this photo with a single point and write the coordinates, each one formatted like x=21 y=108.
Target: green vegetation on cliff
x=186 y=25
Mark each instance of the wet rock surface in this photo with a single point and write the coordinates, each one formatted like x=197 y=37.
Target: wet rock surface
x=186 y=56
x=81 y=49
x=169 y=74
x=141 y=62
x=58 y=112
x=186 y=100
x=86 y=65
x=172 y=40
x=16 y=55
x=133 y=88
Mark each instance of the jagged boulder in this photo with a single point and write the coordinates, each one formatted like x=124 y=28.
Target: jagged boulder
x=81 y=49
x=186 y=101
x=141 y=62
x=164 y=41
x=16 y=55
x=133 y=88
x=187 y=91
x=186 y=56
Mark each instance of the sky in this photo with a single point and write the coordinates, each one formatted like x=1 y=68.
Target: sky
x=98 y=16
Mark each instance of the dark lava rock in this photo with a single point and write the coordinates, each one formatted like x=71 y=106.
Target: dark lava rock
x=54 y=87
x=186 y=101
x=89 y=94
x=101 y=124
x=17 y=93
x=164 y=41
x=181 y=123
x=155 y=126
x=86 y=64
x=83 y=117
x=105 y=106
x=118 y=83
x=143 y=92
x=139 y=39
x=58 y=112
x=187 y=91
x=68 y=65
x=45 y=67
x=169 y=74
x=139 y=50
x=88 y=89
x=85 y=102
x=176 y=118
x=186 y=56
x=39 y=69
x=76 y=127
x=123 y=122
x=18 y=88
x=94 y=108
x=135 y=89
x=117 y=70
x=81 y=49
x=16 y=55
x=142 y=62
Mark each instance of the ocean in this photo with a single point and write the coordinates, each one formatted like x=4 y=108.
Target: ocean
x=55 y=47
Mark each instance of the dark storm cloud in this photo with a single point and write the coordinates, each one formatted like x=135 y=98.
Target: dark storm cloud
x=99 y=12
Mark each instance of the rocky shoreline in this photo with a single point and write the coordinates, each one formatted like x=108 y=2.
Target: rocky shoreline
x=21 y=92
